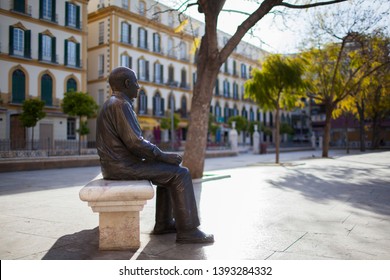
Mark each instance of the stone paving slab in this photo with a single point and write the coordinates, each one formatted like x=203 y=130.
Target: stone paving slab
x=311 y=208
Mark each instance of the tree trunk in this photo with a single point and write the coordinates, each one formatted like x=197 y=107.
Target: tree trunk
x=277 y=135
x=325 y=144
x=362 y=132
x=196 y=143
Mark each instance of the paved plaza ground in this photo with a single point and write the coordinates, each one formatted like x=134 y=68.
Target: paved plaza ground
x=306 y=208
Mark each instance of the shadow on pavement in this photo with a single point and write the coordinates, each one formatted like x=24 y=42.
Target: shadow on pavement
x=83 y=245
x=361 y=188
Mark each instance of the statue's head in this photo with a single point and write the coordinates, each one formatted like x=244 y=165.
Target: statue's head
x=123 y=79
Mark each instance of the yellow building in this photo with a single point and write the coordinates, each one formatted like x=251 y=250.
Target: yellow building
x=144 y=36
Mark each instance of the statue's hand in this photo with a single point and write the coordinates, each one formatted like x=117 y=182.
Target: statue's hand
x=171 y=158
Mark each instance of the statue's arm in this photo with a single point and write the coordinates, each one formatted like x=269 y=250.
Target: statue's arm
x=131 y=135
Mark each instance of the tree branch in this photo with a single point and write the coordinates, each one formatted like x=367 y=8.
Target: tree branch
x=292 y=6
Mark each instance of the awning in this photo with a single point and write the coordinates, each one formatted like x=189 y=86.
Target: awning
x=148 y=123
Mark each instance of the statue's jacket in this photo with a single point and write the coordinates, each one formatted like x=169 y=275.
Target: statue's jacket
x=119 y=141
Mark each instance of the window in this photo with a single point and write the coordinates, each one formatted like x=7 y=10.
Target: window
x=71 y=85
x=19 y=6
x=72 y=15
x=235 y=110
x=20 y=40
x=47 y=89
x=217 y=112
x=142 y=8
x=125 y=4
x=183 y=51
x=18 y=86
x=226 y=67
x=183 y=109
x=47 y=10
x=143 y=69
x=142 y=38
x=217 y=87
x=156 y=43
x=251 y=115
x=171 y=74
x=171 y=102
x=234 y=68
x=71 y=129
x=226 y=112
x=171 y=19
x=47 y=48
x=125 y=33
x=226 y=89
x=157 y=14
x=235 y=91
x=101 y=65
x=142 y=103
x=101 y=33
x=72 y=53
x=243 y=71
x=158 y=105
x=126 y=61
x=158 y=73
x=244 y=113
x=183 y=83
x=170 y=48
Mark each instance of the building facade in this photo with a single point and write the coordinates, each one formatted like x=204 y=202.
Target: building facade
x=43 y=54
x=146 y=37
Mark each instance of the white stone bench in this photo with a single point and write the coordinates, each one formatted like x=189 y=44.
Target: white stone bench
x=118 y=204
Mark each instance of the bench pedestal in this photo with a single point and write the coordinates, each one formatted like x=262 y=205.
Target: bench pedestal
x=118 y=204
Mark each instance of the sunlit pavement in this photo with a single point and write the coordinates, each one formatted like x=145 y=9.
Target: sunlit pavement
x=305 y=208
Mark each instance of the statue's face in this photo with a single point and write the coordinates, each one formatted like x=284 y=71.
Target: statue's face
x=132 y=86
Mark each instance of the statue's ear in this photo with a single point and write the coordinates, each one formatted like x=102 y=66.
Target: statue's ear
x=127 y=83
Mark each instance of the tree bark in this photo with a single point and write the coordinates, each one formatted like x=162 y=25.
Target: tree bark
x=326 y=140
x=277 y=135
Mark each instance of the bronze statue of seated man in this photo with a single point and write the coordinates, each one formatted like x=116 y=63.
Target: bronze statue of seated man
x=126 y=155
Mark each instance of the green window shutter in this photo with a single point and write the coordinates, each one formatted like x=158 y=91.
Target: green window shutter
x=53 y=50
x=138 y=68
x=130 y=62
x=66 y=53
x=78 y=17
x=27 y=43
x=18 y=86
x=20 y=6
x=53 y=10
x=40 y=47
x=78 y=64
x=162 y=113
x=147 y=70
x=139 y=37
x=130 y=41
x=40 y=8
x=146 y=39
x=66 y=14
x=11 y=40
x=47 y=90
x=162 y=73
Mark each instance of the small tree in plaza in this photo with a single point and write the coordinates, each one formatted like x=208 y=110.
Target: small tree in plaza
x=278 y=85
x=83 y=106
x=32 y=113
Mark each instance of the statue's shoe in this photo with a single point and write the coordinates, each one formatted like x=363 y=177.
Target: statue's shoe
x=194 y=236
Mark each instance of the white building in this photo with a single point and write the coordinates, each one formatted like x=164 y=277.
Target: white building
x=43 y=54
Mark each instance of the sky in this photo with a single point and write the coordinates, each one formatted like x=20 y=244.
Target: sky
x=275 y=33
